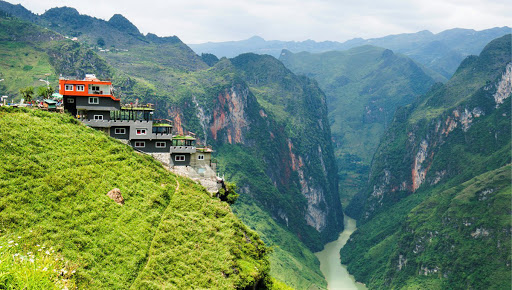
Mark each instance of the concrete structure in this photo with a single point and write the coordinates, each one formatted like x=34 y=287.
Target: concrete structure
x=92 y=102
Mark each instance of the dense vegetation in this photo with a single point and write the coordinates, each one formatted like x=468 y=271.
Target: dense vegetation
x=364 y=86
x=436 y=213
x=211 y=101
x=55 y=176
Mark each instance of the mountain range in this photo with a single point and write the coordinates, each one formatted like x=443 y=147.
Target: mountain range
x=441 y=52
x=430 y=188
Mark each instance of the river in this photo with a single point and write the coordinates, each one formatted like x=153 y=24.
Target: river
x=335 y=273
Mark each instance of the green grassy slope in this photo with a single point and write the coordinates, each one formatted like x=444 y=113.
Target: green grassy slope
x=436 y=212
x=364 y=86
x=55 y=176
x=176 y=89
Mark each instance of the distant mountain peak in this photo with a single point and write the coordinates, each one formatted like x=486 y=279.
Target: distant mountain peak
x=123 y=24
x=256 y=39
x=69 y=11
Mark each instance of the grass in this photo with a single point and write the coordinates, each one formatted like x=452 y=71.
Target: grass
x=26 y=266
x=53 y=186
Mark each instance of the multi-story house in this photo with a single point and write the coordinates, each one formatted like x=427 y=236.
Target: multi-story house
x=92 y=101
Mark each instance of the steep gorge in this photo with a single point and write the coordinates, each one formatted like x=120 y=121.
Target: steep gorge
x=437 y=205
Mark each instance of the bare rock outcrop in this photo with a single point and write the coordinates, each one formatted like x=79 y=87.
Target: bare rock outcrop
x=115 y=195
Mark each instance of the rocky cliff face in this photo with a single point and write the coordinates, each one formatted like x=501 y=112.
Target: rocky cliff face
x=405 y=162
x=439 y=192
x=300 y=170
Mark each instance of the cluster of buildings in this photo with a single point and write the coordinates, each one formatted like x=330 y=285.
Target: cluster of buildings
x=92 y=102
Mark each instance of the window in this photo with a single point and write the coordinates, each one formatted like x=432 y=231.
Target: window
x=200 y=157
x=98 y=117
x=160 y=145
x=94 y=100
x=71 y=101
x=80 y=88
x=120 y=131
x=141 y=131
x=68 y=87
x=95 y=88
x=140 y=144
x=179 y=158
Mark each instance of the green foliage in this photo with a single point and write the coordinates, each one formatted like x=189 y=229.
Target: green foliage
x=26 y=94
x=364 y=86
x=53 y=186
x=27 y=266
x=228 y=193
x=454 y=230
x=166 y=73
x=45 y=92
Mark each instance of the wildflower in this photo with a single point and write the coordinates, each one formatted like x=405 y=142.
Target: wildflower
x=19 y=237
x=45 y=269
x=37 y=245
x=47 y=252
x=73 y=272
x=16 y=255
x=39 y=250
x=31 y=260
x=10 y=242
x=16 y=244
x=30 y=230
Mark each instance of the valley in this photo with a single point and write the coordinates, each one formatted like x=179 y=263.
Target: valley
x=408 y=134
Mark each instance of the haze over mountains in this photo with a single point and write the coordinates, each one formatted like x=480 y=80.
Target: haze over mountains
x=441 y=52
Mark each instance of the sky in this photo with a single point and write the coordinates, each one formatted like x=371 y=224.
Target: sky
x=198 y=21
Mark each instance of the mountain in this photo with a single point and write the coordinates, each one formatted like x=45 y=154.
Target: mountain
x=441 y=52
x=438 y=197
x=168 y=231
x=246 y=108
x=364 y=86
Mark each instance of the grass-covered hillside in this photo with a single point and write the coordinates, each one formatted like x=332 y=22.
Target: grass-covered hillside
x=286 y=177
x=169 y=233
x=364 y=86
x=436 y=213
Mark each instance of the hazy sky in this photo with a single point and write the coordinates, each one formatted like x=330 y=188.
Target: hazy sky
x=196 y=21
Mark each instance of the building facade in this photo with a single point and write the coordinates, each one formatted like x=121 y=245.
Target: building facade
x=92 y=102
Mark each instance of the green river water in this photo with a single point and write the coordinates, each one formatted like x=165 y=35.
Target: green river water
x=335 y=273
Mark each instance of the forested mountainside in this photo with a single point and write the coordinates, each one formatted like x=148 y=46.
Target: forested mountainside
x=168 y=232
x=364 y=86
x=441 y=52
x=436 y=212
x=288 y=182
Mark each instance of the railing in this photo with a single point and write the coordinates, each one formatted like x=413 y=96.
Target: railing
x=183 y=149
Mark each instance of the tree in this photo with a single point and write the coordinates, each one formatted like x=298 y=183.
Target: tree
x=45 y=92
x=26 y=94
x=100 y=42
x=228 y=192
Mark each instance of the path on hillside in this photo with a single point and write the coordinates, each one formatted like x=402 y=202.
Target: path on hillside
x=176 y=189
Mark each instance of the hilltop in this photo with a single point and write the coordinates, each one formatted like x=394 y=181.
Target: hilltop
x=169 y=231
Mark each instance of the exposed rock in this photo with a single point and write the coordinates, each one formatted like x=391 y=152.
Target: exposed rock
x=480 y=232
x=115 y=195
x=418 y=171
x=402 y=262
x=504 y=88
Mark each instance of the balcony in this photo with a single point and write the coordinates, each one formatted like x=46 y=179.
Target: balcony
x=183 y=149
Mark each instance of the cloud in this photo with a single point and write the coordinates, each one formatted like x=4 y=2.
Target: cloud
x=196 y=21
